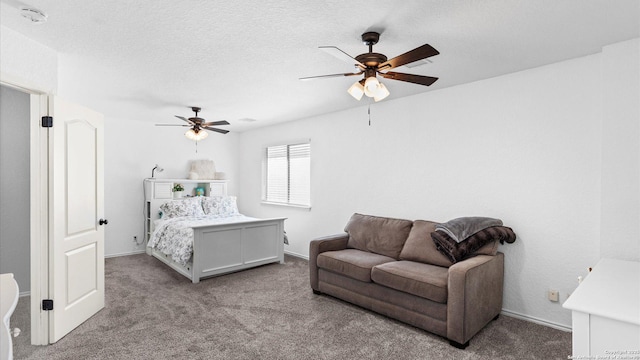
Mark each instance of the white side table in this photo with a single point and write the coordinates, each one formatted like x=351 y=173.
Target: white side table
x=8 y=301
x=606 y=311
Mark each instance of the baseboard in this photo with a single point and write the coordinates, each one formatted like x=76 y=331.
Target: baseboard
x=536 y=320
x=24 y=293
x=305 y=257
x=136 y=252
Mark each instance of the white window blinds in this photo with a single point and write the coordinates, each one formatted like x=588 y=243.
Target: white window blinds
x=287 y=177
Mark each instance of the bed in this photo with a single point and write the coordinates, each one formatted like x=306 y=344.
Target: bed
x=206 y=236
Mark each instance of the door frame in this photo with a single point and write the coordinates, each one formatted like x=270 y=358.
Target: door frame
x=38 y=183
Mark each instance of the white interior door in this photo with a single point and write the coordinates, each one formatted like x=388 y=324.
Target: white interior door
x=76 y=208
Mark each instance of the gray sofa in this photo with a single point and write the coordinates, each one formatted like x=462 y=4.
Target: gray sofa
x=392 y=266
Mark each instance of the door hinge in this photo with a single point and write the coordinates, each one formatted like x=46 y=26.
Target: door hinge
x=47 y=121
x=47 y=305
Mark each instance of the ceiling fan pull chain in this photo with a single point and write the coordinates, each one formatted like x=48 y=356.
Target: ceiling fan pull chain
x=369 y=112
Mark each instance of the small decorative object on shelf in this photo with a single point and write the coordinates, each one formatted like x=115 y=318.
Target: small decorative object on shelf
x=177 y=190
x=199 y=191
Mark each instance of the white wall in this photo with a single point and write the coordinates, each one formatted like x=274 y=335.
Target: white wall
x=524 y=147
x=620 y=224
x=14 y=186
x=133 y=145
x=34 y=66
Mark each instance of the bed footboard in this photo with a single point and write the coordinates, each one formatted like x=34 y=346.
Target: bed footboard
x=224 y=248
x=220 y=249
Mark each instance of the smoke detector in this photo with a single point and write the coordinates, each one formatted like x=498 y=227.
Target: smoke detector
x=34 y=15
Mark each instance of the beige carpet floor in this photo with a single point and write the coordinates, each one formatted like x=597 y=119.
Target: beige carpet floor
x=269 y=312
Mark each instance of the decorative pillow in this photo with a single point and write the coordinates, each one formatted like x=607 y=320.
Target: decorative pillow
x=202 y=169
x=221 y=206
x=420 y=248
x=379 y=235
x=484 y=242
x=191 y=206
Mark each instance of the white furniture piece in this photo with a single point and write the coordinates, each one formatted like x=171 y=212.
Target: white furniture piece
x=224 y=248
x=220 y=248
x=8 y=302
x=606 y=311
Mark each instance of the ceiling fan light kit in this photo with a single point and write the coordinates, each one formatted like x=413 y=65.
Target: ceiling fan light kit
x=370 y=64
x=194 y=135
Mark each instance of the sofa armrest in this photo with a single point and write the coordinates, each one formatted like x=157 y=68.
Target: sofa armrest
x=475 y=295
x=320 y=245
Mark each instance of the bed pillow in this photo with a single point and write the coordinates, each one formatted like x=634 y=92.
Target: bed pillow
x=184 y=207
x=221 y=206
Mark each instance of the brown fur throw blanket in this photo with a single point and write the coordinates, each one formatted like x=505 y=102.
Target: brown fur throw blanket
x=459 y=251
x=461 y=228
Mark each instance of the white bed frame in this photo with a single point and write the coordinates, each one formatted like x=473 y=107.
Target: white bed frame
x=222 y=248
x=225 y=248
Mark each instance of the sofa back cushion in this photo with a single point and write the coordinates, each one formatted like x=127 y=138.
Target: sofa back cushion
x=419 y=246
x=380 y=235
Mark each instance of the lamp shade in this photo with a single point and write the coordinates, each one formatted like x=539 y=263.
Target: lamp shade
x=196 y=135
x=371 y=86
x=356 y=90
x=381 y=93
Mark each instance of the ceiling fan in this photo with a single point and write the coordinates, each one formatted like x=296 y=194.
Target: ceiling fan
x=197 y=125
x=370 y=64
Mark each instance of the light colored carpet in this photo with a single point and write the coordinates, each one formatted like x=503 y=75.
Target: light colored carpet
x=269 y=312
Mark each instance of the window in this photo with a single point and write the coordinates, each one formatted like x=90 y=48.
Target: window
x=287 y=175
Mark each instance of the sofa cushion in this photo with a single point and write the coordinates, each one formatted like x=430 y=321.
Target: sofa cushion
x=353 y=263
x=380 y=235
x=419 y=246
x=424 y=280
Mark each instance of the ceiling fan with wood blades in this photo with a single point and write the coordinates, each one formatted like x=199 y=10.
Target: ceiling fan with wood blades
x=370 y=64
x=197 y=125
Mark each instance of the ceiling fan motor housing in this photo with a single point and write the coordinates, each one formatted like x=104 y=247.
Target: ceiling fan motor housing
x=371 y=59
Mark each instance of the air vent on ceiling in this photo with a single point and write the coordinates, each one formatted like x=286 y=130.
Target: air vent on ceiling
x=34 y=15
x=419 y=63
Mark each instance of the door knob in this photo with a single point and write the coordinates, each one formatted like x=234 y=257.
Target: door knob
x=103 y=221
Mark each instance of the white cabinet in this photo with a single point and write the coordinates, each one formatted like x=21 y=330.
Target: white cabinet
x=163 y=190
x=159 y=191
x=606 y=312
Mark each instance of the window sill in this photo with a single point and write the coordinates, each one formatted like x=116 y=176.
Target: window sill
x=308 y=207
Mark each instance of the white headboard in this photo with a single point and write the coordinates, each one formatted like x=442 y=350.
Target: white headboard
x=159 y=191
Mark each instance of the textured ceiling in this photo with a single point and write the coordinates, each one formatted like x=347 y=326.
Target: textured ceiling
x=242 y=59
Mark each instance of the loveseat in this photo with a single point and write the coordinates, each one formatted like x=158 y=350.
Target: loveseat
x=392 y=266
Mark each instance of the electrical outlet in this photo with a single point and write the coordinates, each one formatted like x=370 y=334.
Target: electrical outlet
x=553 y=295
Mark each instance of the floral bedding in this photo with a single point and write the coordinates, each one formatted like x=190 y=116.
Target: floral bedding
x=174 y=236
